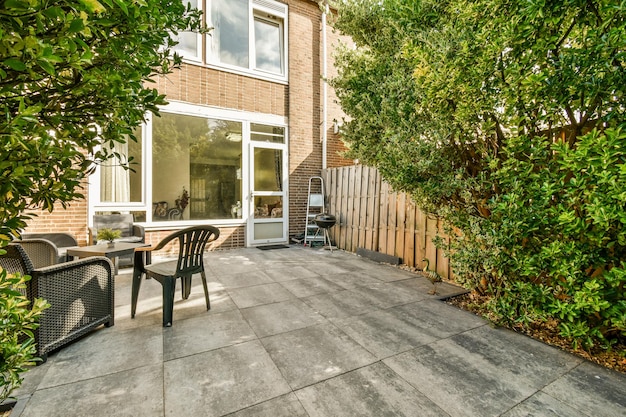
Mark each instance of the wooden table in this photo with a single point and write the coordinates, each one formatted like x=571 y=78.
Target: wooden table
x=111 y=252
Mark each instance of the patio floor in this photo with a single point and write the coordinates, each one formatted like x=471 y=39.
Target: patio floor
x=307 y=332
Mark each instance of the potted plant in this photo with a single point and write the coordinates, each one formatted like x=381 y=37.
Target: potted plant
x=109 y=235
x=19 y=318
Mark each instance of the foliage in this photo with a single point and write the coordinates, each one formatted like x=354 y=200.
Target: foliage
x=108 y=234
x=18 y=320
x=74 y=75
x=506 y=119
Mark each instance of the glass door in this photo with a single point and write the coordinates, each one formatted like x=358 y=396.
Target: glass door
x=267 y=222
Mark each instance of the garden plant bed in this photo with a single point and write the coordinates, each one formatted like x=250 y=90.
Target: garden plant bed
x=547 y=333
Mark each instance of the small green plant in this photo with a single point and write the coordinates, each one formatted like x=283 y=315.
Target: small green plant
x=17 y=343
x=108 y=234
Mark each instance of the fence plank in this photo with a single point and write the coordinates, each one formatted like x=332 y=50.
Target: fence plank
x=384 y=218
x=373 y=216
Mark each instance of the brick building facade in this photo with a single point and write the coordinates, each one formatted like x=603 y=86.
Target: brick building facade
x=296 y=95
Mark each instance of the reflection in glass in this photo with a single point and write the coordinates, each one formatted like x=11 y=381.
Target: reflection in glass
x=195 y=166
x=230 y=31
x=268 y=165
x=268 y=207
x=267 y=45
x=264 y=133
x=188 y=41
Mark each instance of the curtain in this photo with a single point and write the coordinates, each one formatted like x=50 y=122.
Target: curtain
x=115 y=180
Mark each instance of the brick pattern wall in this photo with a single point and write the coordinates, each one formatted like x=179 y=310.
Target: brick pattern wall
x=335 y=147
x=210 y=87
x=230 y=238
x=305 y=147
x=72 y=219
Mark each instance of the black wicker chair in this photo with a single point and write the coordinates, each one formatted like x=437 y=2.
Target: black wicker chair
x=62 y=241
x=41 y=252
x=191 y=244
x=80 y=294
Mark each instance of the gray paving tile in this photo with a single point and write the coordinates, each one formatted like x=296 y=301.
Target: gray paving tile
x=385 y=295
x=398 y=329
x=132 y=393
x=594 y=390
x=374 y=390
x=283 y=406
x=245 y=279
x=325 y=268
x=104 y=352
x=221 y=381
x=315 y=353
x=275 y=318
x=310 y=286
x=482 y=372
x=32 y=378
x=204 y=333
x=283 y=273
x=259 y=294
x=351 y=280
x=388 y=273
x=341 y=304
x=543 y=405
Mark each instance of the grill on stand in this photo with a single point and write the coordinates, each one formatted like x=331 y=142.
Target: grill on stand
x=325 y=221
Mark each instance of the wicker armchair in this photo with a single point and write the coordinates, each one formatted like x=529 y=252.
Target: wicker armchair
x=41 y=252
x=80 y=294
x=191 y=244
x=131 y=232
x=62 y=241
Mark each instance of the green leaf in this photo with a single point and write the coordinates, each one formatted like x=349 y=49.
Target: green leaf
x=46 y=66
x=93 y=6
x=14 y=64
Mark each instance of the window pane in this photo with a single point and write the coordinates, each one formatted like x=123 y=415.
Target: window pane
x=268 y=167
x=118 y=184
x=230 y=33
x=195 y=167
x=268 y=231
x=268 y=206
x=265 y=133
x=267 y=45
x=188 y=41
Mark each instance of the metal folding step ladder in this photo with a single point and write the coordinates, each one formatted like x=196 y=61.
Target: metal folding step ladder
x=314 y=206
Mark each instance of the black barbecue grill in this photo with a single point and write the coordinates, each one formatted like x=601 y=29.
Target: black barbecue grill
x=325 y=221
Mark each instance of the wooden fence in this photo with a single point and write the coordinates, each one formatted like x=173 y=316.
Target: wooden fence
x=372 y=216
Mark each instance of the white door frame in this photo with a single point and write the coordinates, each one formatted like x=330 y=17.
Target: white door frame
x=252 y=221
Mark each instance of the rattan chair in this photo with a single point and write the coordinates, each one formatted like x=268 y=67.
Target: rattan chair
x=62 y=241
x=80 y=294
x=41 y=252
x=191 y=244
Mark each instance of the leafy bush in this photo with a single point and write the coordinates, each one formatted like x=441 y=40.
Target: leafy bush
x=482 y=111
x=18 y=319
x=556 y=237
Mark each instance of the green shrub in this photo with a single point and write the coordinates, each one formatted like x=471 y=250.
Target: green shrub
x=554 y=245
x=18 y=319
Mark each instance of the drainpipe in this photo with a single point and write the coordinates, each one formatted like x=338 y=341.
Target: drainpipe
x=324 y=91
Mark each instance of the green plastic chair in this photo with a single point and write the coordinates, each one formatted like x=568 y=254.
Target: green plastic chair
x=191 y=243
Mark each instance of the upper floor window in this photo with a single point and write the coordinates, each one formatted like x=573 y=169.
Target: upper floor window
x=190 y=43
x=248 y=35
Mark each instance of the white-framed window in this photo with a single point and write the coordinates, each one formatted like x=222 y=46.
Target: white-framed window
x=248 y=36
x=190 y=43
x=189 y=165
